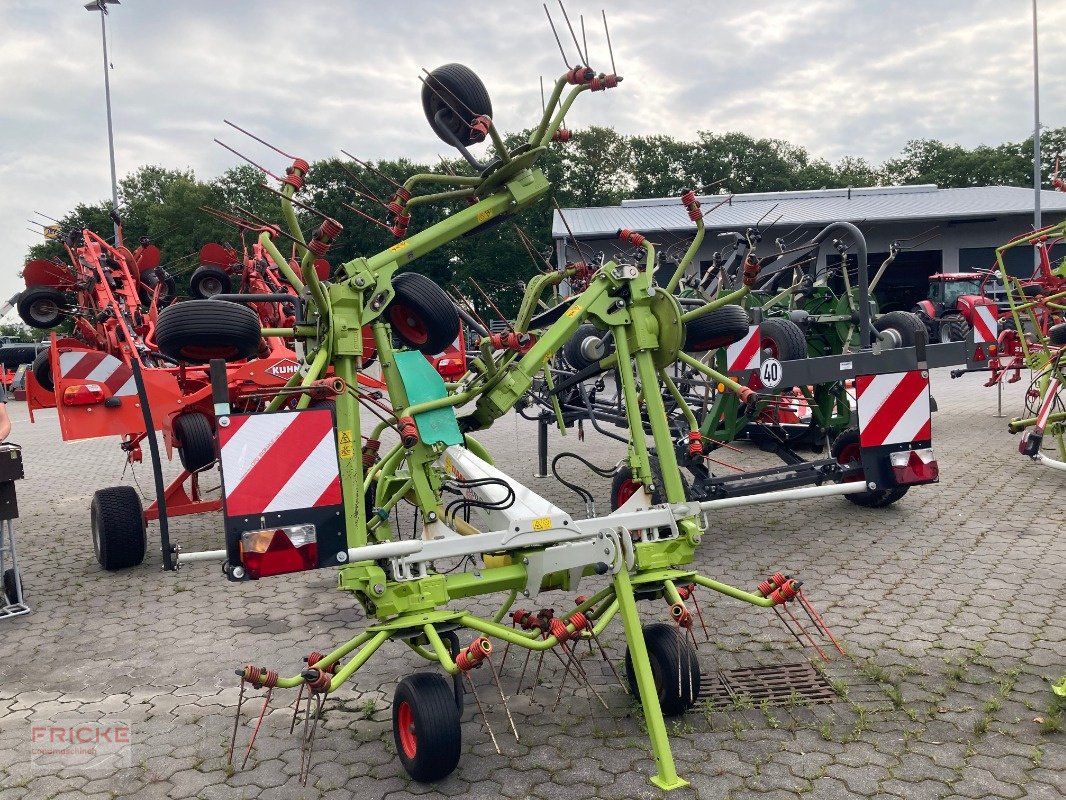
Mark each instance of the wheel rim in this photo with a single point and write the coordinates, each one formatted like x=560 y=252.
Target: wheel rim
x=851 y=454
x=44 y=310
x=409 y=324
x=895 y=340
x=626 y=490
x=405 y=722
x=210 y=287
x=770 y=349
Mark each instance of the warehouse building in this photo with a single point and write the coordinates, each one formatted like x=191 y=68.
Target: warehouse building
x=941 y=230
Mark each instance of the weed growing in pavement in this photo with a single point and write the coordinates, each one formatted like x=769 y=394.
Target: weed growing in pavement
x=1037 y=756
x=367 y=709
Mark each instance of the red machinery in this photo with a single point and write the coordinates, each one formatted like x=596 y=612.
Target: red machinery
x=88 y=376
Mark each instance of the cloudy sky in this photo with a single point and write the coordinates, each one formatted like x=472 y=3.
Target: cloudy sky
x=838 y=77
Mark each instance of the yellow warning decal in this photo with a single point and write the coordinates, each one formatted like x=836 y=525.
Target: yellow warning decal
x=344 y=438
x=573 y=311
x=482 y=216
x=542 y=524
x=398 y=246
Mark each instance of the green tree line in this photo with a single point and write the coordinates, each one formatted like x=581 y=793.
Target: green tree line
x=597 y=167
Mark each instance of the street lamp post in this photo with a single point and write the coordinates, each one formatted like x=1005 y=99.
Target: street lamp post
x=101 y=6
x=1036 y=128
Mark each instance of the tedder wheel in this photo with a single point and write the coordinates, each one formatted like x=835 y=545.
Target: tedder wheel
x=720 y=328
x=16 y=354
x=42 y=306
x=197 y=449
x=901 y=326
x=847 y=452
x=953 y=328
x=200 y=330
x=425 y=725
x=207 y=281
x=585 y=347
x=167 y=295
x=782 y=339
x=673 y=665
x=120 y=538
x=10 y=586
x=422 y=315
x=42 y=371
x=459 y=95
x=623 y=486
x=1056 y=334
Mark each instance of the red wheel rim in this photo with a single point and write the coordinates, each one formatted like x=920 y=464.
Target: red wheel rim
x=405 y=721
x=408 y=324
x=626 y=490
x=851 y=455
x=770 y=348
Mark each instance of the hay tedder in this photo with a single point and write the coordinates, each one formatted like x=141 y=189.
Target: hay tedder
x=132 y=365
x=309 y=487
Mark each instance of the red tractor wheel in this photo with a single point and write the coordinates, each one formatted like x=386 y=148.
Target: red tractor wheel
x=425 y=725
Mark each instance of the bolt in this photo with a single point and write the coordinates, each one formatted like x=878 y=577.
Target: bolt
x=432 y=516
x=237 y=572
x=223 y=422
x=342 y=557
x=525 y=561
x=379 y=588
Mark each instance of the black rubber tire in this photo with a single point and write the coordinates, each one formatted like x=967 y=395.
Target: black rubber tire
x=845 y=446
x=16 y=354
x=572 y=350
x=116 y=518
x=425 y=701
x=42 y=370
x=457 y=90
x=147 y=287
x=197 y=331
x=664 y=643
x=905 y=325
x=209 y=280
x=953 y=328
x=782 y=339
x=197 y=449
x=623 y=477
x=42 y=307
x=720 y=328
x=10 y=589
x=421 y=314
x=1056 y=334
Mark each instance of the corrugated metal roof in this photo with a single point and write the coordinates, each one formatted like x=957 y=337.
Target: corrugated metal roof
x=875 y=204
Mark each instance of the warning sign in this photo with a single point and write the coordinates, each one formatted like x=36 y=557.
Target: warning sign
x=344 y=440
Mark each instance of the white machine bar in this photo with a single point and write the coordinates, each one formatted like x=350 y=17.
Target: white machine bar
x=785 y=494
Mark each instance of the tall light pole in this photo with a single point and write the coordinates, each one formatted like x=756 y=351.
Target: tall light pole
x=1036 y=128
x=101 y=6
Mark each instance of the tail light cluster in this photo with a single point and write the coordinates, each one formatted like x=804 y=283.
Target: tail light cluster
x=84 y=394
x=277 y=551
x=914 y=466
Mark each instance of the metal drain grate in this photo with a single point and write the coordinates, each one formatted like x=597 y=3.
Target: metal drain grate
x=778 y=684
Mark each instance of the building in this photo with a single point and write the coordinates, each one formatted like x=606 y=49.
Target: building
x=941 y=230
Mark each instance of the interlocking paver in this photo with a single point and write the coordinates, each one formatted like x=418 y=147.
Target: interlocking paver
x=934 y=599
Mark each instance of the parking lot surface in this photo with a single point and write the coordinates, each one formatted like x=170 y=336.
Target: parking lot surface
x=949 y=605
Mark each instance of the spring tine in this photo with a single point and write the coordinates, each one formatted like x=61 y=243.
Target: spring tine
x=362 y=185
x=584 y=40
x=609 y=49
x=820 y=622
x=236 y=723
x=295 y=202
x=305 y=770
x=258 y=722
x=788 y=627
x=296 y=709
x=365 y=216
x=507 y=646
x=584 y=676
x=522 y=677
x=365 y=165
x=488 y=300
x=572 y=34
x=536 y=677
x=259 y=167
x=562 y=685
x=566 y=61
x=606 y=658
x=484 y=716
x=503 y=697
x=303 y=736
x=806 y=633
x=699 y=614
x=261 y=141
x=445 y=99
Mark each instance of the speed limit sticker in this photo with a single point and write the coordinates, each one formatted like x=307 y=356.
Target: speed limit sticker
x=770 y=372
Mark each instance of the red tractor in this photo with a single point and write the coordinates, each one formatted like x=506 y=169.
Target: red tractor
x=949 y=309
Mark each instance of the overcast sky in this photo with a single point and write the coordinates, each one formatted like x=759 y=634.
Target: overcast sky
x=837 y=77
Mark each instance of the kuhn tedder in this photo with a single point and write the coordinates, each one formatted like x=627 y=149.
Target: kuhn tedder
x=300 y=492
x=121 y=333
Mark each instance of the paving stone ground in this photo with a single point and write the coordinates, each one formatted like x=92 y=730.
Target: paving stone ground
x=948 y=604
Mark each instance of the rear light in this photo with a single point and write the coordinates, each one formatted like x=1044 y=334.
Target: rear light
x=1030 y=443
x=276 y=551
x=452 y=368
x=979 y=353
x=914 y=466
x=85 y=394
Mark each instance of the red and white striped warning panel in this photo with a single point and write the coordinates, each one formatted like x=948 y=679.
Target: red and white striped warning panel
x=1049 y=400
x=279 y=462
x=893 y=408
x=95 y=367
x=984 y=325
x=745 y=354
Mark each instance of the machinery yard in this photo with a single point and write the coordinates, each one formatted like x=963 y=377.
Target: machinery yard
x=946 y=603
